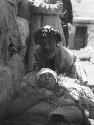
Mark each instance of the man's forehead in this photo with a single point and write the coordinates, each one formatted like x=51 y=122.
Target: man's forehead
x=47 y=73
x=47 y=70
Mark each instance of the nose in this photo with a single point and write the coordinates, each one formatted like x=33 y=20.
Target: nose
x=47 y=46
x=47 y=78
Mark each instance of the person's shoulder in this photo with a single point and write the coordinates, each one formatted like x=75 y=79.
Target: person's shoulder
x=67 y=54
x=64 y=49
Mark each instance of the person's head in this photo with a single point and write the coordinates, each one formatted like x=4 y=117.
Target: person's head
x=46 y=78
x=48 y=38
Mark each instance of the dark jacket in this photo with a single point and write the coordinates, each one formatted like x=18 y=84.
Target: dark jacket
x=67 y=5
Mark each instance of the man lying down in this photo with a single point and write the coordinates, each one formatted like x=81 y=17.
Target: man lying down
x=64 y=104
x=65 y=88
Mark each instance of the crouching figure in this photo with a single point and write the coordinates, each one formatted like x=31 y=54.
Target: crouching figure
x=51 y=54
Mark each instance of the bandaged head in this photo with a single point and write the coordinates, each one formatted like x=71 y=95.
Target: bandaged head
x=46 y=78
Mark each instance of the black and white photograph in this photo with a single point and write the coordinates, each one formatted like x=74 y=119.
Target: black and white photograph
x=46 y=62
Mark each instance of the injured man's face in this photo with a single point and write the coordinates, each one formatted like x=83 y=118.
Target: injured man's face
x=46 y=78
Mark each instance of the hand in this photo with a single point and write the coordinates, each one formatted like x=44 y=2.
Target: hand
x=44 y=94
x=50 y=94
x=59 y=4
x=69 y=26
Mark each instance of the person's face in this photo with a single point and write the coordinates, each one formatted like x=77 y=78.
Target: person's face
x=47 y=80
x=48 y=45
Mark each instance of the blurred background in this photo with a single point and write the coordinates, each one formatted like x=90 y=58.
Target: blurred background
x=82 y=31
x=81 y=41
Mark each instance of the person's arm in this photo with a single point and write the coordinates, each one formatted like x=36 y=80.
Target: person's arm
x=68 y=56
x=70 y=15
x=70 y=11
x=54 y=8
x=74 y=67
x=37 y=65
x=67 y=60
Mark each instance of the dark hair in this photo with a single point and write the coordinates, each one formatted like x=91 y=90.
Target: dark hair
x=46 y=31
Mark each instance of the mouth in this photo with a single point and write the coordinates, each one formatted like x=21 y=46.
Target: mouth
x=47 y=82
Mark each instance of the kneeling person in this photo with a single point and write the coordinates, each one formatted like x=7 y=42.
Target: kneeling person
x=51 y=54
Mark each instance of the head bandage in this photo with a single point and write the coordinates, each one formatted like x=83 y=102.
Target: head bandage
x=47 y=70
